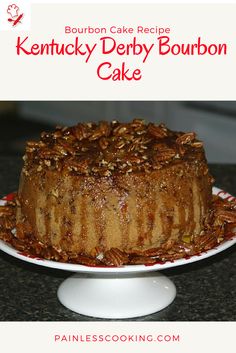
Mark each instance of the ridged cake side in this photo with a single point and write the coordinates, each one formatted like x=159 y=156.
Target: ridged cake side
x=90 y=214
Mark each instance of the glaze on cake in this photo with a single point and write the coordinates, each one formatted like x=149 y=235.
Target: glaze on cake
x=124 y=188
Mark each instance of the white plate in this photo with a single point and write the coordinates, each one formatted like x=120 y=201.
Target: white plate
x=117 y=292
x=125 y=269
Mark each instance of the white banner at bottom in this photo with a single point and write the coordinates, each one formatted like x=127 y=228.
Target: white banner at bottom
x=161 y=337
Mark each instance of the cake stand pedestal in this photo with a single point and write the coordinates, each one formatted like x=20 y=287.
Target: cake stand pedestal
x=116 y=295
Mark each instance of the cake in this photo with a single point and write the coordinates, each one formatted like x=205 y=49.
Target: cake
x=113 y=193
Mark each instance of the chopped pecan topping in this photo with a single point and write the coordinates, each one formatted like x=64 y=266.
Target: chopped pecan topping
x=110 y=147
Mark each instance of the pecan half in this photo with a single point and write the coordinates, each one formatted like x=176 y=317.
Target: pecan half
x=142 y=260
x=120 y=144
x=103 y=143
x=96 y=134
x=164 y=154
x=120 y=130
x=5 y=211
x=81 y=131
x=197 y=144
x=137 y=123
x=115 y=257
x=228 y=216
x=105 y=128
x=186 y=138
x=156 y=131
x=87 y=261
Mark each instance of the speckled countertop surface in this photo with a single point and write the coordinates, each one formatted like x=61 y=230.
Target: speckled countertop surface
x=206 y=290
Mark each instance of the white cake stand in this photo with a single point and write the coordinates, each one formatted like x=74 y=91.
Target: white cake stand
x=117 y=293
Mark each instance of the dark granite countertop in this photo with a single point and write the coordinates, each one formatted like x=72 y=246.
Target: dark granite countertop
x=206 y=290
